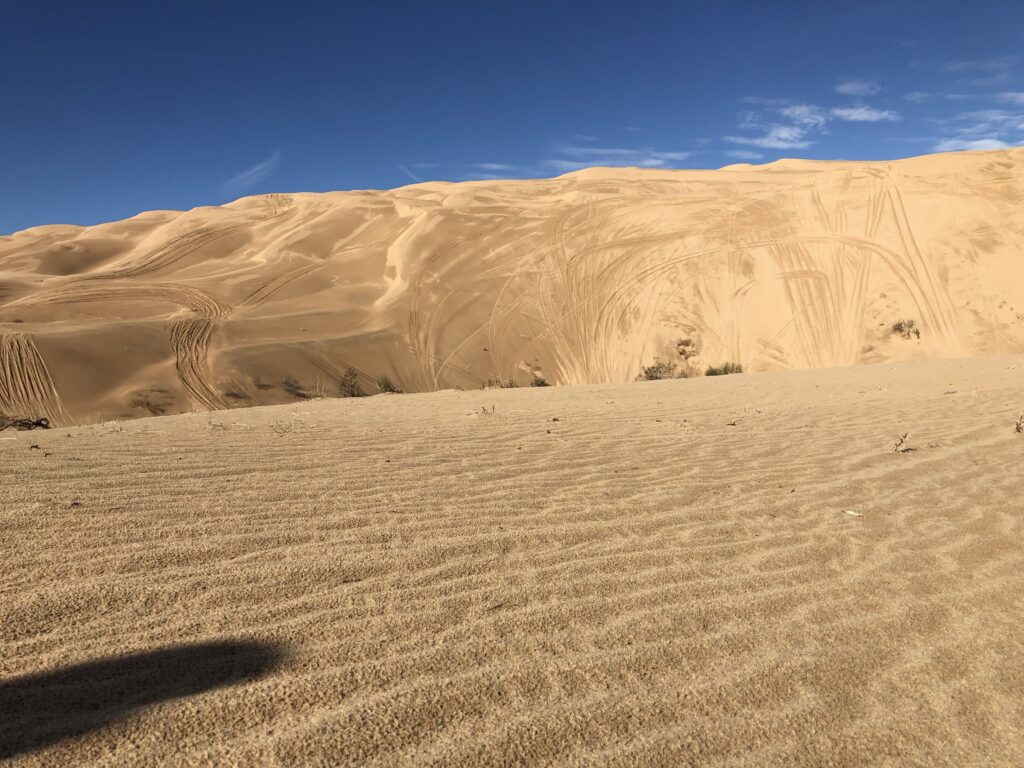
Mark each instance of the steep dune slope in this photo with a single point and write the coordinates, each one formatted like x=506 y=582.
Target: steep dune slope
x=583 y=278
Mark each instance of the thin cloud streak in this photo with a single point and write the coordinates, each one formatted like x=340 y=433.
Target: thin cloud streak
x=858 y=88
x=994 y=64
x=862 y=113
x=250 y=177
x=588 y=157
x=955 y=145
x=405 y=169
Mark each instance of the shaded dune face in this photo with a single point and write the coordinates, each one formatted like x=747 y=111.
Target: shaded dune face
x=581 y=279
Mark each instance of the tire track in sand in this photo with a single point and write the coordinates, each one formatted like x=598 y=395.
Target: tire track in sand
x=26 y=388
x=166 y=255
x=189 y=338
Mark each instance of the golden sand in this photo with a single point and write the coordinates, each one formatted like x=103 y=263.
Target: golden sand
x=717 y=571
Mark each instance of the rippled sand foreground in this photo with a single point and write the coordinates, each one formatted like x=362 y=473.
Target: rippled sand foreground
x=723 y=571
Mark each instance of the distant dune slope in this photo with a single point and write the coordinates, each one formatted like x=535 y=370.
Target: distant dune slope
x=583 y=278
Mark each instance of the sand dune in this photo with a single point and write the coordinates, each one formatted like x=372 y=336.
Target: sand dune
x=721 y=571
x=583 y=279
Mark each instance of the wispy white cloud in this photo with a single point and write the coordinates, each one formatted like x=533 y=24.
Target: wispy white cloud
x=776 y=137
x=994 y=64
x=982 y=129
x=616 y=152
x=250 y=177
x=918 y=97
x=497 y=167
x=764 y=101
x=855 y=87
x=1013 y=97
x=577 y=157
x=862 y=113
x=405 y=169
x=806 y=115
x=954 y=145
x=794 y=125
x=743 y=154
x=584 y=137
x=476 y=176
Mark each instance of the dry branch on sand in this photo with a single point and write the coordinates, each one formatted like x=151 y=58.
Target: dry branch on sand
x=1019 y=425
x=6 y=422
x=900 y=446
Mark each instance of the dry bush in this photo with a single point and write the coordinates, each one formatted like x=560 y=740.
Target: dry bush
x=349 y=384
x=905 y=329
x=659 y=370
x=724 y=369
x=293 y=388
x=494 y=382
x=686 y=348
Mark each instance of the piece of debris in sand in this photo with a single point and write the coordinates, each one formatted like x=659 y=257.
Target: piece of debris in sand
x=900 y=446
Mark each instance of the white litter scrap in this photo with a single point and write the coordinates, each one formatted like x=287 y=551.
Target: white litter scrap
x=851 y=512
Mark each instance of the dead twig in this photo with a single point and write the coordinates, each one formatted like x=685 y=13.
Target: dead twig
x=900 y=446
x=23 y=425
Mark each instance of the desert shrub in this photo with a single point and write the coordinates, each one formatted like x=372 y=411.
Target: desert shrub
x=659 y=370
x=536 y=380
x=686 y=349
x=724 y=369
x=495 y=382
x=146 y=403
x=349 y=384
x=906 y=329
x=384 y=384
x=293 y=388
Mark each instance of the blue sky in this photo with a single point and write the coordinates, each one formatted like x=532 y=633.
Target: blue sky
x=108 y=109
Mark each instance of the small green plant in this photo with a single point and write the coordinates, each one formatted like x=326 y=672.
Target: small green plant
x=724 y=369
x=906 y=329
x=384 y=384
x=349 y=384
x=537 y=380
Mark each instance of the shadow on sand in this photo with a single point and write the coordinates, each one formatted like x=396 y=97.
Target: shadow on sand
x=42 y=709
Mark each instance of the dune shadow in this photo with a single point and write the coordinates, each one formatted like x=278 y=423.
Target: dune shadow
x=41 y=709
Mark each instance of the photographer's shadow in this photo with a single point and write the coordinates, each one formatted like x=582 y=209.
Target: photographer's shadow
x=42 y=709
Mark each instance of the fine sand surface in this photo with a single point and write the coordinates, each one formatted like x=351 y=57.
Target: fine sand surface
x=584 y=575
x=583 y=278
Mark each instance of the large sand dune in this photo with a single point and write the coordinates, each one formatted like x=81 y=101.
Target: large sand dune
x=723 y=571
x=583 y=278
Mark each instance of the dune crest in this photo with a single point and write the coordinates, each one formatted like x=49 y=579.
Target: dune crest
x=583 y=278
